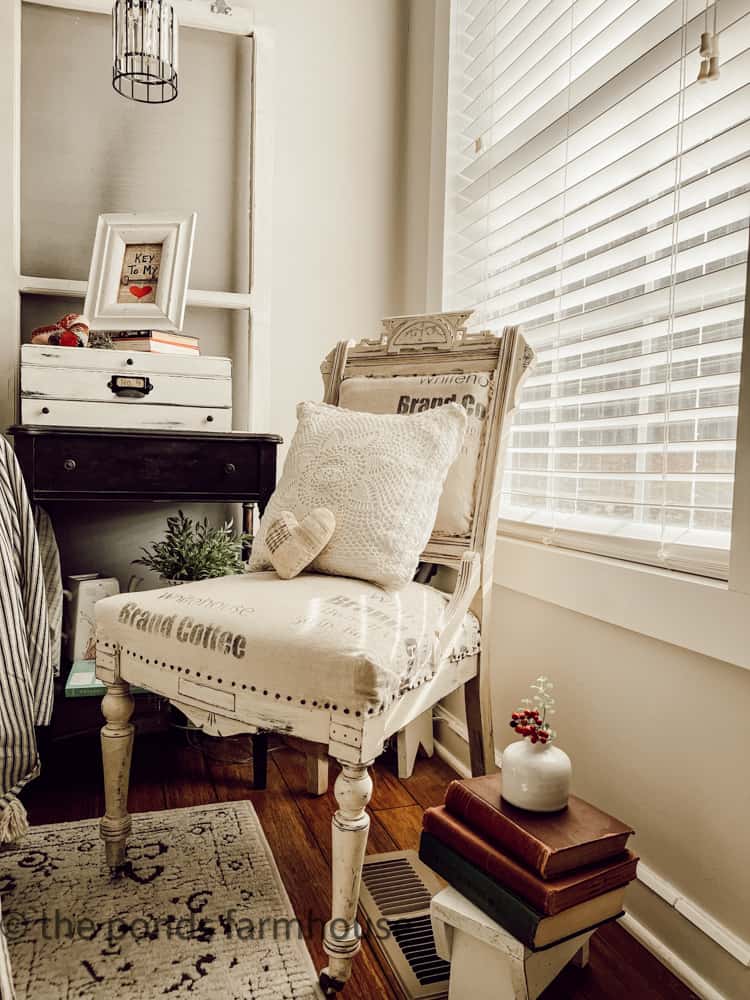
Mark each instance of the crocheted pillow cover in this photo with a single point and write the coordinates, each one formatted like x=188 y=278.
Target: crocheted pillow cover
x=380 y=475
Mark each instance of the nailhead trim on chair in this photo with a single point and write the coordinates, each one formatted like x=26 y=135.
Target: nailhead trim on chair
x=455 y=658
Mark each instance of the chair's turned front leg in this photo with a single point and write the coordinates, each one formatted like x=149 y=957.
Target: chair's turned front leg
x=351 y=823
x=117 y=748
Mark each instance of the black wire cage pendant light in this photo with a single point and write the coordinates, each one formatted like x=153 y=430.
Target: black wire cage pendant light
x=145 y=50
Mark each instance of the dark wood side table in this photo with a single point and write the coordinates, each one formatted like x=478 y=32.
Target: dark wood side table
x=74 y=464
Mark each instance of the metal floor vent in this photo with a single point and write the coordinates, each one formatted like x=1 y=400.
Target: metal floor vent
x=395 y=897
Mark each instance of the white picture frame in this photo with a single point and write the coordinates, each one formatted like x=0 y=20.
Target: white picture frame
x=144 y=255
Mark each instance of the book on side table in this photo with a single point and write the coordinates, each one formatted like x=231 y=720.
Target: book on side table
x=544 y=877
x=156 y=342
x=548 y=843
x=548 y=896
x=528 y=925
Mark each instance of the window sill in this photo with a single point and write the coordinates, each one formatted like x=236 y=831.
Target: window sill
x=693 y=612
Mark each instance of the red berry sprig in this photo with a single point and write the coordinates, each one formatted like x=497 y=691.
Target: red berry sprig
x=527 y=722
x=532 y=720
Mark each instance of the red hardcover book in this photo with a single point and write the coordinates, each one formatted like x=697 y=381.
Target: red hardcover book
x=547 y=896
x=551 y=844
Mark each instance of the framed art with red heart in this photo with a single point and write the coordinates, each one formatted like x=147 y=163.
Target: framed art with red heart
x=139 y=278
x=139 y=271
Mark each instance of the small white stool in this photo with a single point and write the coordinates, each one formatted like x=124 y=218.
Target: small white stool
x=488 y=963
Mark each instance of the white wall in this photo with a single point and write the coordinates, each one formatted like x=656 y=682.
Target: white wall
x=9 y=25
x=338 y=95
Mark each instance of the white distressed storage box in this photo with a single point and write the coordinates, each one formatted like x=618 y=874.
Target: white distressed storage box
x=86 y=387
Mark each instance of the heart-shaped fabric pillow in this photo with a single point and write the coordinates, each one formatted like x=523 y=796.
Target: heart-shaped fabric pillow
x=292 y=544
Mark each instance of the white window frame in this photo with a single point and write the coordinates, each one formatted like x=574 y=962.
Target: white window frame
x=699 y=614
x=704 y=615
x=739 y=552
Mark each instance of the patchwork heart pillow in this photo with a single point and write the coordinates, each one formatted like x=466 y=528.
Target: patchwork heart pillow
x=292 y=544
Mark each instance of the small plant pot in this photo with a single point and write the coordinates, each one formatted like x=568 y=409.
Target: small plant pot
x=536 y=776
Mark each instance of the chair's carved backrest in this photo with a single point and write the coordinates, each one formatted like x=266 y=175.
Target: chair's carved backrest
x=435 y=345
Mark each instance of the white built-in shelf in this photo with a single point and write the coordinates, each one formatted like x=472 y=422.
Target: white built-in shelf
x=65 y=288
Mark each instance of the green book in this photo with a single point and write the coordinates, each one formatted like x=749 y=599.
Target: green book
x=533 y=929
x=82 y=681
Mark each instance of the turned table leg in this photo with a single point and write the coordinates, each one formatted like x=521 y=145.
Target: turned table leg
x=341 y=938
x=117 y=748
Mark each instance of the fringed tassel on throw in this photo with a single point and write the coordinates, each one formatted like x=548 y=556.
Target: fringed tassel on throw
x=14 y=823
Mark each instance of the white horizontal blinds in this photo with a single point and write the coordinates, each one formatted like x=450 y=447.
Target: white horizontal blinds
x=600 y=197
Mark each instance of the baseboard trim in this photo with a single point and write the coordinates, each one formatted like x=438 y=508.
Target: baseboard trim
x=684 y=972
x=735 y=946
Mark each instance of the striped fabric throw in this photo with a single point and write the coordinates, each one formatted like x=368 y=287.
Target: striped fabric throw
x=50 y=556
x=26 y=674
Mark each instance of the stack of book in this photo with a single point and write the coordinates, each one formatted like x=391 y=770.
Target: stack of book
x=156 y=342
x=544 y=877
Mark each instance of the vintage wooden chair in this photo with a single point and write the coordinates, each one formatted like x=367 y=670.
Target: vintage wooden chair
x=228 y=696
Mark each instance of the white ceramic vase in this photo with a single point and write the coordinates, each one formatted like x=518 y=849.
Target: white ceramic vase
x=536 y=776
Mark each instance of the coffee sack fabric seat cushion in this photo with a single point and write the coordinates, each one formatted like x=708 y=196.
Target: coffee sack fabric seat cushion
x=320 y=641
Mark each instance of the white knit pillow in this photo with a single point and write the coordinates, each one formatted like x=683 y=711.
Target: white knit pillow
x=411 y=394
x=380 y=475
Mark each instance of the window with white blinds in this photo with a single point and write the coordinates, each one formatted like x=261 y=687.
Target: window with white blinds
x=599 y=197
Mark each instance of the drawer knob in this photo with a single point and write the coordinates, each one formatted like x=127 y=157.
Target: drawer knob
x=230 y=468
x=69 y=464
x=129 y=361
x=45 y=409
x=209 y=419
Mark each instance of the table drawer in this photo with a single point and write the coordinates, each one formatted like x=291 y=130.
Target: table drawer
x=119 y=415
x=155 y=467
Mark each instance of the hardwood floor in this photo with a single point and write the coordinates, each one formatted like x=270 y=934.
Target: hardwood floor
x=167 y=773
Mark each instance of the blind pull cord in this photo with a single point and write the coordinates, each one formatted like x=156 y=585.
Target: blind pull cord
x=709 y=50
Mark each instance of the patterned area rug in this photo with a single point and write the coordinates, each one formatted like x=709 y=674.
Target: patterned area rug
x=199 y=911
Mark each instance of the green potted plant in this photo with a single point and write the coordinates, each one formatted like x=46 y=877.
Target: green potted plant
x=195 y=550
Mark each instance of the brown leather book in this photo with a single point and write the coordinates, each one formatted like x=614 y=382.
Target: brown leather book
x=526 y=924
x=547 y=896
x=551 y=844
